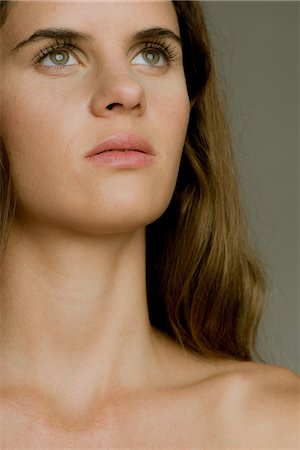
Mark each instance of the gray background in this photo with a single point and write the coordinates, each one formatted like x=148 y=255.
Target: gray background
x=257 y=51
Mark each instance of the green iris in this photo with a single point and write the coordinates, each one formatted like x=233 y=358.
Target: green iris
x=60 y=57
x=151 y=57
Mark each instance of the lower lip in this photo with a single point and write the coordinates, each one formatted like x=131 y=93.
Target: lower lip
x=123 y=159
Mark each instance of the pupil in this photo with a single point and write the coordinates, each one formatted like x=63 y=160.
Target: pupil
x=60 y=58
x=152 y=57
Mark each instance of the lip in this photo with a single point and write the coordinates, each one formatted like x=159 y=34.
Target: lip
x=122 y=142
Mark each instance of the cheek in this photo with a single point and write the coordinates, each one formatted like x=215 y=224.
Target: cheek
x=172 y=117
x=34 y=107
x=35 y=129
x=174 y=111
x=28 y=120
x=170 y=114
x=33 y=138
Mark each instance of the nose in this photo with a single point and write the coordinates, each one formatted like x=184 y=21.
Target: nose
x=118 y=92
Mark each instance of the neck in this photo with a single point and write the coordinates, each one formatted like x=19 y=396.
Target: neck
x=74 y=305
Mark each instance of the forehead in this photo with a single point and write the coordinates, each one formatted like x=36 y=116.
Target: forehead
x=97 y=17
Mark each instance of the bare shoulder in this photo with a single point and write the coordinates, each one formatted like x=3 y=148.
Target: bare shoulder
x=260 y=378
x=238 y=404
x=259 y=405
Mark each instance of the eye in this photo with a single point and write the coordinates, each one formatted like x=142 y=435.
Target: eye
x=150 y=57
x=59 y=57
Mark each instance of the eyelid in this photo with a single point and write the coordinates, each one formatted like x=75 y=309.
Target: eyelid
x=166 y=47
x=54 y=46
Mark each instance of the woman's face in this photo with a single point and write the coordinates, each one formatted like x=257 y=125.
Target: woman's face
x=74 y=75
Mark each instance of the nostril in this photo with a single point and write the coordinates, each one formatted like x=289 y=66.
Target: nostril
x=110 y=107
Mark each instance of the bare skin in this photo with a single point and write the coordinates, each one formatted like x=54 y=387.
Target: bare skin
x=81 y=365
x=207 y=405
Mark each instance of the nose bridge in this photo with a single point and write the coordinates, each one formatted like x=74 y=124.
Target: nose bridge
x=117 y=88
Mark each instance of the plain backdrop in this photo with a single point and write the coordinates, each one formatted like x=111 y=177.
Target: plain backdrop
x=257 y=51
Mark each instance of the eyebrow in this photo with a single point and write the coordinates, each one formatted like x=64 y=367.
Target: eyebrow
x=51 y=33
x=158 y=32
x=68 y=34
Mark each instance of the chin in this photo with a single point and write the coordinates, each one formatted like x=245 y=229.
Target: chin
x=120 y=212
x=100 y=220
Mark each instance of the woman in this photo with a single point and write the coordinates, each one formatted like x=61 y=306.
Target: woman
x=113 y=143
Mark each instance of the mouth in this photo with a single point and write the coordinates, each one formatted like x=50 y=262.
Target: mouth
x=127 y=150
x=122 y=142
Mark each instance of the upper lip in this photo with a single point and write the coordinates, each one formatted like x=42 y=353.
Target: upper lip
x=122 y=141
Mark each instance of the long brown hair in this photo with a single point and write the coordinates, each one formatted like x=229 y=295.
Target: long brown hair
x=206 y=287
x=7 y=196
x=205 y=284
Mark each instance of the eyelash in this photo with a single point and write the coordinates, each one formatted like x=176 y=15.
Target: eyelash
x=53 y=47
x=165 y=48
x=161 y=45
